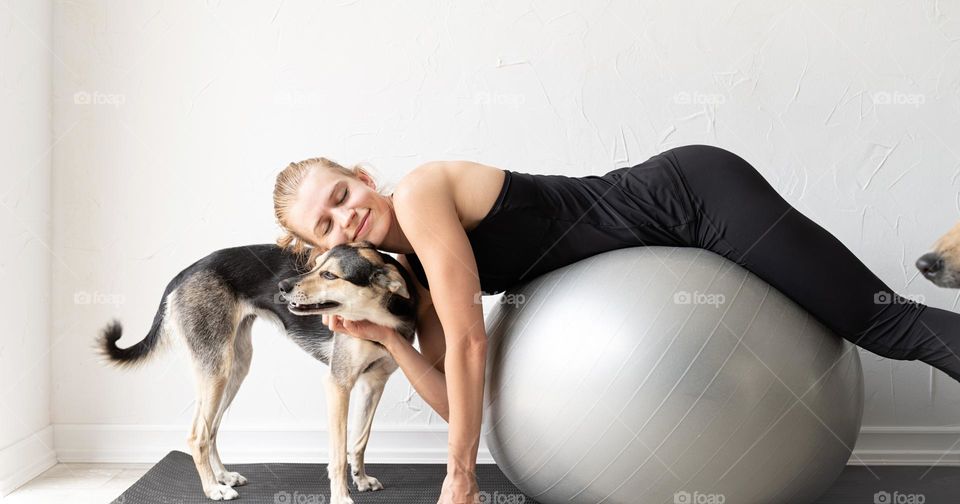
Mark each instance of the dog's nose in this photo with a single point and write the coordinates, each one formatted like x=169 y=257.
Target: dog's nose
x=930 y=263
x=285 y=286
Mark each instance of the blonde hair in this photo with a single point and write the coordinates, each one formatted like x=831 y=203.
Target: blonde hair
x=285 y=193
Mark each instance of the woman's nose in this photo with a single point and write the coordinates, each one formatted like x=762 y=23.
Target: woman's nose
x=345 y=217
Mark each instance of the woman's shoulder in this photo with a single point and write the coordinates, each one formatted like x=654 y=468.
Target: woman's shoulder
x=473 y=187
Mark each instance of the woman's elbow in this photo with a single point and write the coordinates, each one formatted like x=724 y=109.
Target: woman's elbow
x=474 y=338
x=473 y=345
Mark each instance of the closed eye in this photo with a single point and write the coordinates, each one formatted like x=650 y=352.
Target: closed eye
x=328 y=275
x=329 y=225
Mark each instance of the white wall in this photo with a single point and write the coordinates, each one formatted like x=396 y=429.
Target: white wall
x=172 y=119
x=26 y=436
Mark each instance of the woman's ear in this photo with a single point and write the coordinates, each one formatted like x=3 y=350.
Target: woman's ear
x=364 y=177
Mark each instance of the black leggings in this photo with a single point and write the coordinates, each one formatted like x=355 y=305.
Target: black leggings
x=740 y=216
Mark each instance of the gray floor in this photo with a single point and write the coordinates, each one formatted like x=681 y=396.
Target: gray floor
x=101 y=483
x=79 y=483
x=895 y=484
x=174 y=479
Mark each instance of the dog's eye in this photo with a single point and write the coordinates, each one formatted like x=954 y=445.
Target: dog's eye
x=328 y=275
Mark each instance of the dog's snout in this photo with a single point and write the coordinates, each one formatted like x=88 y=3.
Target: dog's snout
x=930 y=264
x=285 y=286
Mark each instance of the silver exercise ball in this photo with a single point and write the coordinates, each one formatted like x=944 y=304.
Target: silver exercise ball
x=666 y=375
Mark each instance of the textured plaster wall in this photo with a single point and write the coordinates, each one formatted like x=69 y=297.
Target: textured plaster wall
x=172 y=118
x=25 y=243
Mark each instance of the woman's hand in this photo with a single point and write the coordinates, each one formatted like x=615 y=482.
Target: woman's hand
x=363 y=329
x=459 y=488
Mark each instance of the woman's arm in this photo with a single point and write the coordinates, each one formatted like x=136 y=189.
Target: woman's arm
x=430 y=383
x=427 y=213
x=429 y=330
x=423 y=369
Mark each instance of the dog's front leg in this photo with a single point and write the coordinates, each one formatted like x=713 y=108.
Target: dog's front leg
x=370 y=385
x=338 y=404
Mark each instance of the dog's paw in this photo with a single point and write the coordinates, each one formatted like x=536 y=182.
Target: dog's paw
x=231 y=478
x=222 y=492
x=367 y=483
x=341 y=499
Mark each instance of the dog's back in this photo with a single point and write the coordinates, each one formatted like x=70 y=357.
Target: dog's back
x=216 y=295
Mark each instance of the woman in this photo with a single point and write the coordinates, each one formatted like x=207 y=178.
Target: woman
x=464 y=226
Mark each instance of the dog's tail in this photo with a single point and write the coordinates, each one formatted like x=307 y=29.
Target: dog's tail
x=134 y=355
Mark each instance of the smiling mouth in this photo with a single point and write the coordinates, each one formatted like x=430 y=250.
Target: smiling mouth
x=362 y=223
x=306 y=308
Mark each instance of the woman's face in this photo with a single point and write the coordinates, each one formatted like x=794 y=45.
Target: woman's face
x=330 y=209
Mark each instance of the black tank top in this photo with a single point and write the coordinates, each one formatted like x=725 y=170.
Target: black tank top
x=542 y=222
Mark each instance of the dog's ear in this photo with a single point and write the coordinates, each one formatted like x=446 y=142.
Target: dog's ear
x=389 y=278
x=362 y=244
x=317 y=256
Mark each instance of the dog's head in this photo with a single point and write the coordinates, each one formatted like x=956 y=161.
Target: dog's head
x=355 y=281
x=942 y=265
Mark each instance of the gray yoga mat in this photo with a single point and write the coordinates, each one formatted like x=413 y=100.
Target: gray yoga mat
x=174 y=480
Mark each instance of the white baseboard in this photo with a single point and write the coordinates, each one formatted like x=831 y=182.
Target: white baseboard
x=420 y=444
x=925 y=446
x=26 y=459
x=149 y=443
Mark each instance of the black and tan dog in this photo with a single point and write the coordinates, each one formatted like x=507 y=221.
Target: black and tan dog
x=210 y=307
x=942 y=265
